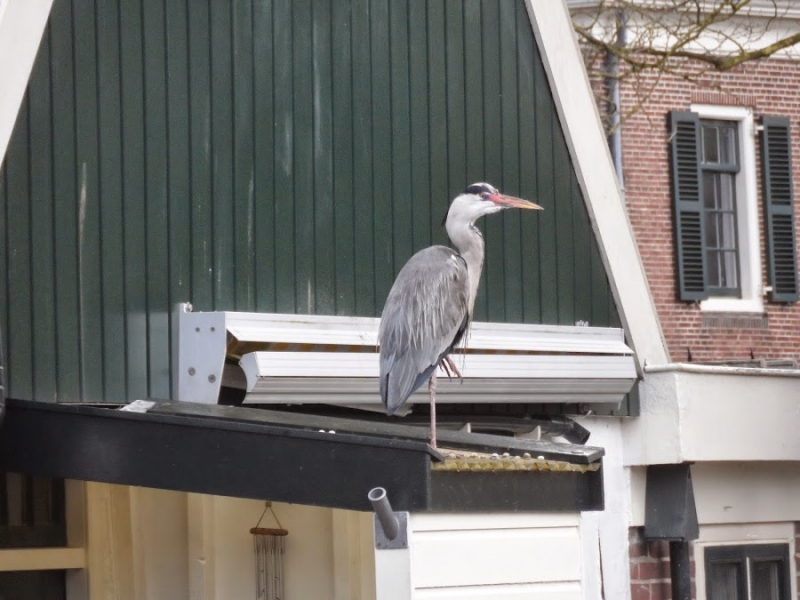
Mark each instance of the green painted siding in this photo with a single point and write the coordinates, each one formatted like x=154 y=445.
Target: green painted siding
x=272 y=156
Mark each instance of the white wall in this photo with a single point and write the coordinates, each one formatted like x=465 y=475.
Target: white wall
x=695 y=413
x=509 y=556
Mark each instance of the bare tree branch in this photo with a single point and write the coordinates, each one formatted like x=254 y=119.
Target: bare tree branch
x=624 y=40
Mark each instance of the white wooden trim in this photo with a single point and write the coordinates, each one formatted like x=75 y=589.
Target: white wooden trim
x=22 y=24
x=473 y=366
x=580 y=120
x=42 y=559
x=363 y=331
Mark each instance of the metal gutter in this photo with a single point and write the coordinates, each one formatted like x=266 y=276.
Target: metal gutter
x=720 y=370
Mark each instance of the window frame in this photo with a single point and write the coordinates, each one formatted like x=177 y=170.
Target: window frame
x=747 y=231
x=722 y=168
x=744 y=554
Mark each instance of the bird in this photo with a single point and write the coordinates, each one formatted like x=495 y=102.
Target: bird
x=430 y=303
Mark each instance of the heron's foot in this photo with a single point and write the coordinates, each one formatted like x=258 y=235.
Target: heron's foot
x=450 y=366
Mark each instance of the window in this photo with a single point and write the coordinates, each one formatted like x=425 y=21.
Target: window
x=748 y=572
x=719 y=165
x=715 y=194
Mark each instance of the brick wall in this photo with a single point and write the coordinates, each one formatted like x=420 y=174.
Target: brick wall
x=650 y=578
x=770 y=87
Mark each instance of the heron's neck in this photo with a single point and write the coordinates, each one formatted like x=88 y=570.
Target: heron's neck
x=469 y=242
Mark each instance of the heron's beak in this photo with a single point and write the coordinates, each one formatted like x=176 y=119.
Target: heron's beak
x=512 y=202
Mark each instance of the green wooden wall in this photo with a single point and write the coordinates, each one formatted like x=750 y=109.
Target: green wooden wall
x=273 y=156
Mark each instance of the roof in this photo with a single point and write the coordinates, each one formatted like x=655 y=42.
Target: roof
x=289 y=457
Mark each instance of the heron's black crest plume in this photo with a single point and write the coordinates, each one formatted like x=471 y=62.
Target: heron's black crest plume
x=479 y=189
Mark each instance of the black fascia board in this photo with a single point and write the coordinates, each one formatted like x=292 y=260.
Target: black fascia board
x=185 y=453
x=510 y=491
x=241 y=452
x=478 y=442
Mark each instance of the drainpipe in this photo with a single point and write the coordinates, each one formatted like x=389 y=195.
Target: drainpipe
x=615 y=138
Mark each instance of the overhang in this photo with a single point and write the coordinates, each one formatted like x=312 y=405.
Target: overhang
x=297 y=458
x=698 y=413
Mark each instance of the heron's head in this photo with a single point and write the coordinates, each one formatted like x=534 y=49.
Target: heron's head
x=481 y=199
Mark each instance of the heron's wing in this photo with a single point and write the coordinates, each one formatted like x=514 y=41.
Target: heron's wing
x=424 y=316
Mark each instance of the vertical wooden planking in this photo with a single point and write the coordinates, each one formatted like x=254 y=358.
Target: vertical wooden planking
x=342 y=99
x=64 y=203
x=582 y=270
x=222 y=152
x=402 y=199
x=324 y=216
x=89 y=256
x=303 y=156
x=527 y=55
x=564 y=248
x=156 y=181
x=243 y=166
x=110 y=152
x=494 y=279
x=601 y=302
x=544 y=192
x=45 y=385
x=263 y=157
x=134 y=192
x=420 y=191
x=510 y=181
x=362 y=158
x=200 y=142
x=437 y=114
x=473 y=118
x=380 y=68
x=283 y=157
x=179 y=192
x=284 y=193
x=19 y=364
x=456 y=98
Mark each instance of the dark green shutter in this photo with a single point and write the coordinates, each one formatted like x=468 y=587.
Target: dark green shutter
x=687 y=195
x=776 y=161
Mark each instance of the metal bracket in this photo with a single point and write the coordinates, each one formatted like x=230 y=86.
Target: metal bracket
x=201 y=354
x=398 y=543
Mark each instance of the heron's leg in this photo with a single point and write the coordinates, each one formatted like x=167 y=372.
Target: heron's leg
x=432 y=392
x=446 y=368
x=449 y=361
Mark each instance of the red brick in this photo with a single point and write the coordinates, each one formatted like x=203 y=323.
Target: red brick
x=770 y=87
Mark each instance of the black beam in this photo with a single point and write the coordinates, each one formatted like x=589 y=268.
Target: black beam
x=509 y=491
x=179 y=452
x=448 y=439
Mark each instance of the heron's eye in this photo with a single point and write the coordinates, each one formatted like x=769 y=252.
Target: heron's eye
x=485 y=196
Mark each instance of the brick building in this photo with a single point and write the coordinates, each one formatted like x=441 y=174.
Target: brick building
x=702 y=173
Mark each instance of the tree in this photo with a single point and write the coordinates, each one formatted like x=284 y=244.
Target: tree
x=638 y=41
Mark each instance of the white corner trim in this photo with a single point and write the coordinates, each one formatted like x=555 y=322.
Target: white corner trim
x=552 y=27
x=22 y=24
x=747 y=212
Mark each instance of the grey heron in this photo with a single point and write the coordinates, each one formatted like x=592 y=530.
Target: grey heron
x=430 y=304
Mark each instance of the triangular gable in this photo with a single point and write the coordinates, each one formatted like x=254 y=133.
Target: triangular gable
x=290 y=160
x=590 y=156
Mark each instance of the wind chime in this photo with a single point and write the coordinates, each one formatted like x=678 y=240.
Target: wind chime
x=269 y=547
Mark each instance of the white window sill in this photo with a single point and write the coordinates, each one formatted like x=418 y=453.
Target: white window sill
x=733 y=305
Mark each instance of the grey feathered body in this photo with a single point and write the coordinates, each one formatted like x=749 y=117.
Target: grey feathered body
x=425 y=316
